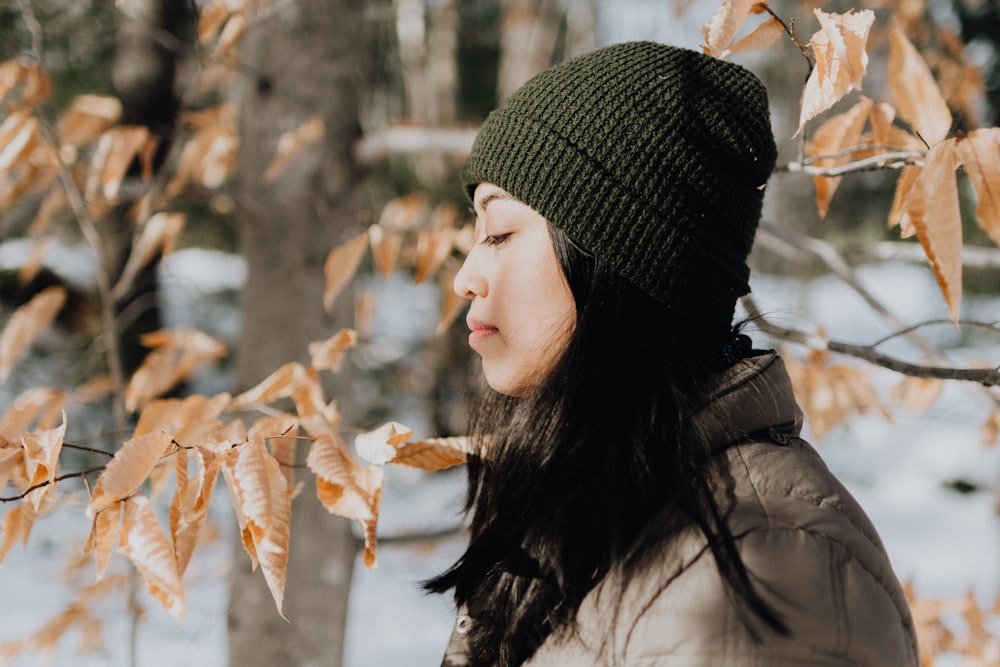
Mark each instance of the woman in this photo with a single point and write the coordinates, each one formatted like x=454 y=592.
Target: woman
x=641 y=494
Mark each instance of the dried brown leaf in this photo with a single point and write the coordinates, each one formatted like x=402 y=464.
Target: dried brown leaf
x=41 y=406
x=932 y=208
x=719 y=32
x=87 y=118
x=917 y=394
x=116 y=150
x=157 y=239
x=41 y=459
x=128 y=469
x=263 y=497
x=841 y=61
x=19 y=135
x=189 y=507
x=832 y=138
x=979 y=153
x=292 y=143
x=990 y=430
x=340 y=266
x=329 y=354
x=385 y=248
x=209 y=156
x=434 y=246
x=25 y=325
x=104 y=533
x=432 y=453
x=379 y=445
x=145 y=544
x=347 y=489
x=918 y=97
x=452 y=304
x=177 y=354
x=763 y=36
x=897 y=214
x=831 y=393
x=16 y=527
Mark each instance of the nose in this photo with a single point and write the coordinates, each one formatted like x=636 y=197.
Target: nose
x=469 y=281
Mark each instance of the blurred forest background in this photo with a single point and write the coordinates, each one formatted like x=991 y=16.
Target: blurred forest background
x=280 y=129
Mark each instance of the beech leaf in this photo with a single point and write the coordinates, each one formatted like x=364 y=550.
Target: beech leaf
x=832 y=138
x=158 y=238
x=918 y=97
x=263 y=497
x=87 y=118
x=16 y=527
x=897 y=214
x=379 y=446
x=340 y=266
x=19 y=134
x=329 y=354
x=719 y=32
x=176 y=355
x=979 y=153
x=347 y=489
x=128 y=469
x=116 y=149
x=145 y=544
x=104 y=534
x=933 y=210
x=25 y=325
x=760 y=38
x=434 y=246
x=385 y=248
x=841 y=61
x=432 y=453
x=41 y=458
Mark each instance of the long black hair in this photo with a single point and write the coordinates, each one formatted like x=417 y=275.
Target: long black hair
x=567 y=478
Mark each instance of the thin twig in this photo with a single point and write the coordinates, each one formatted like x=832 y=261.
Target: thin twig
x=60 y=478
x=988 y=377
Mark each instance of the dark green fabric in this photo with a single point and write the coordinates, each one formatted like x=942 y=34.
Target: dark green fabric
x=650 y=156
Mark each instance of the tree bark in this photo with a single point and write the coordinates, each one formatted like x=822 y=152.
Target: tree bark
x=301 y=59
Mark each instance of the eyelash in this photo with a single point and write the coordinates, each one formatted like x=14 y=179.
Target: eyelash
x=496 y=240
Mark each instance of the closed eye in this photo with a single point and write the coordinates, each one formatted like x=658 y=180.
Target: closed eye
x=496 y=240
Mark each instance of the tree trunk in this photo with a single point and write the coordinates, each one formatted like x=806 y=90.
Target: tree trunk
x=302 y=59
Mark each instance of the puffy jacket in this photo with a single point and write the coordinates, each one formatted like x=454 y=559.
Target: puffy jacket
x=811 y=551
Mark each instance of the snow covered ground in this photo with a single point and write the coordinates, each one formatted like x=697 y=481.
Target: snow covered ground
x=945 y=542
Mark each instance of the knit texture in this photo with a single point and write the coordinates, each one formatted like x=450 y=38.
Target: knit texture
x=649 y=156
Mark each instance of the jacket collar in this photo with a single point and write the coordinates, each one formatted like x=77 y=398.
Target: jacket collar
x=753 y=396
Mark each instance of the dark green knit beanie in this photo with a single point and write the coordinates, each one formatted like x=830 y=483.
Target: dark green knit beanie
x=649 y=156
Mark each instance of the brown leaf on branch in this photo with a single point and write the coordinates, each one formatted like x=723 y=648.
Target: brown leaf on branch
x=104 y=535
x=25 y=325
x=16 y=527
x=831 y=393
x=128 y=469
x=432 y=453
x=87 y=118
x=41 y=460
x=917 y=394
x=841 y=61
x=918 y=98
x=20 y=133
x=41 y=406
x=433 y=248
x=760 y=38
x=329 y=354
x=718 y=33
x=979 y=153
x=145 y=544
x=176 y=355
x=379 y=446
x=301 y=384
x=189 y=507
x=209 y=156
x=157 y=239
x=832 y=138
x=907 y=177
x=340 y=266
x=932 y=208
x=347 y=489
x=386 y=246
x=190 y=420
x=116 y=150
x=292 y=143
x=263 y=498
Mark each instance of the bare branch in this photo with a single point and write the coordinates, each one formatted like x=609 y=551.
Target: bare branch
x=988 y=377
x=891 y=160
x=60 y=478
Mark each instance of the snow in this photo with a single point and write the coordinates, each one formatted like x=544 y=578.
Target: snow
x=945 y=542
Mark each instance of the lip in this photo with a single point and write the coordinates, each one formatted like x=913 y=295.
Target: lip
x=479 y=331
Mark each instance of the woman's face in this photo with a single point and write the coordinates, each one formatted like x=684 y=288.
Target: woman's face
x=522 y=311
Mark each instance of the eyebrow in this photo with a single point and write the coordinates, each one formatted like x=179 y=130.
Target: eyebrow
x=493 y=196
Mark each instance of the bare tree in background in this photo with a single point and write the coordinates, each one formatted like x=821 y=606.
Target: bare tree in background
x=301 y=59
